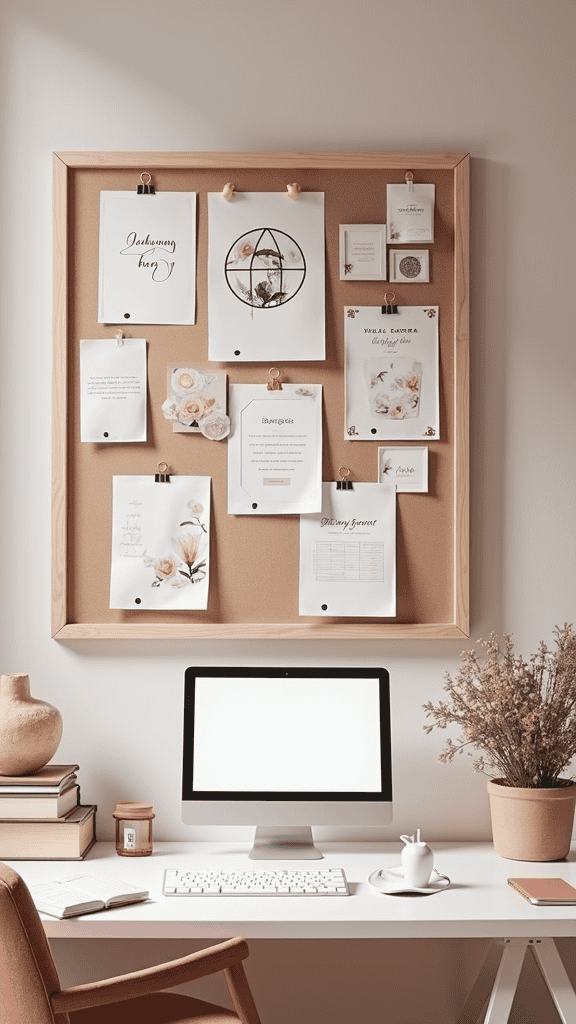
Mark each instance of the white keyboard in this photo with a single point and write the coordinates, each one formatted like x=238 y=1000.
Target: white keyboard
x=321 y=882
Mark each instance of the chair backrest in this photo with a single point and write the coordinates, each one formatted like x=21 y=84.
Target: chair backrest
x=28 y=974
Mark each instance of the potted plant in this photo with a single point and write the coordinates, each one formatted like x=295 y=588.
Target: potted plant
x=521 y=717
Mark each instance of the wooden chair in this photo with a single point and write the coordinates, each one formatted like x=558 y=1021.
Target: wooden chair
x=30 y=991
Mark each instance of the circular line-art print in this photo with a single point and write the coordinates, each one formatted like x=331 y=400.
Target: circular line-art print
x=265 y=268
x=410 y=266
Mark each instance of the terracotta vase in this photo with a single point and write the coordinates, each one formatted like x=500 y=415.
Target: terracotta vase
x=531 y=824
x=30 y=730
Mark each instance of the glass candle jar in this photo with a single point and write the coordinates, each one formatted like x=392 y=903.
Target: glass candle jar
x=133 y=828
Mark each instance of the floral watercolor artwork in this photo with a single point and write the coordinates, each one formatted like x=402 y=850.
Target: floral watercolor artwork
x=196 y=402
x=265 y=267
x=160 y=543
x=394 y=387
x=392 y=373
x=266 y=277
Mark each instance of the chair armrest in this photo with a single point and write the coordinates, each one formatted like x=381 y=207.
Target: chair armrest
x=152 y=979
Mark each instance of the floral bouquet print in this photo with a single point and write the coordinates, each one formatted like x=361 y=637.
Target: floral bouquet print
x=160 y=543
x=196 y=402
x=394 y=384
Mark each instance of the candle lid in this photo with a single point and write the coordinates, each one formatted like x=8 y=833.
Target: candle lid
x=133 y=809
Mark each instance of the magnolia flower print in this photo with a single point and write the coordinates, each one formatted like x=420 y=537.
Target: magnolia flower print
x=184 y=564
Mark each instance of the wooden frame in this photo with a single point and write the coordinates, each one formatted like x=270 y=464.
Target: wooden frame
x=63 y=629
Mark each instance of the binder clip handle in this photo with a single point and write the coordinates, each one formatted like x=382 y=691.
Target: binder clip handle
x=274 y=382
x=145 y=188
x=162 y=476
x=344 y=484
x=389 y=306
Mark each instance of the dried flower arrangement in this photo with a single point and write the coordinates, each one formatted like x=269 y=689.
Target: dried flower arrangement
x=520 y=715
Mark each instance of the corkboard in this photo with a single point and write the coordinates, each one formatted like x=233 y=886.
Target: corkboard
x=254 y=560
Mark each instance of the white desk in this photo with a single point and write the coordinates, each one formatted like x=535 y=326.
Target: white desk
x=480 y=904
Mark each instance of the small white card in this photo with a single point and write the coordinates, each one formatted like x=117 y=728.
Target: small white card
x=348 y=553
x=113 y=390
x=405 y=467
x=275 y=449
x=147 y=258
x=160 y=543
x=392 y=371
x=409 y=265
x=410 y=212
x=362 y=252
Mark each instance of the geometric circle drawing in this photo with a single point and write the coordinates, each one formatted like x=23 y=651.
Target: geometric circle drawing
x=410 y=266
x=265 y=268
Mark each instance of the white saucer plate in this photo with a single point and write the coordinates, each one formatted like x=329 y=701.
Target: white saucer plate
x=391 y=882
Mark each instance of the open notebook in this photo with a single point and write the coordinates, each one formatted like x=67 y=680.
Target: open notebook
x=84 y=894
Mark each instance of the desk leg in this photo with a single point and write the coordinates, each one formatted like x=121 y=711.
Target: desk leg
x=504 y=990
x=558 y=982
x=482 y=987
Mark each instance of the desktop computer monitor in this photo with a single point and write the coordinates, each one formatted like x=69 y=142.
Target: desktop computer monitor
x=284 y=749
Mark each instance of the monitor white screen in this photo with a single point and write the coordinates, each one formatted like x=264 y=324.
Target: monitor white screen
x=286 y=735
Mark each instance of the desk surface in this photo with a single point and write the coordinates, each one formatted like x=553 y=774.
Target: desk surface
x=480 y=903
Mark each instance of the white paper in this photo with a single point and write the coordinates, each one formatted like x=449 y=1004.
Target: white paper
x=348 y=553
x=147 y=258
x=275 y=449
x=113 y=390
x=410 y=212
x=392 y=388
x=160 y=542
x=405 y=467
x=266 y=277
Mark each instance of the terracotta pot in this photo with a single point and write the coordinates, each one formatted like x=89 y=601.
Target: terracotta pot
x=30 y=730
x=531 y=824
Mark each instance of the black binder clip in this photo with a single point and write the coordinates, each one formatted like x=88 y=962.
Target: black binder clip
x=344 y=484
x=145 y=188
x=389 y=306
x=162 y=476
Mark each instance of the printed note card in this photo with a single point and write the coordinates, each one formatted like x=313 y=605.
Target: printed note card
x=113 y=390
x=160 y=542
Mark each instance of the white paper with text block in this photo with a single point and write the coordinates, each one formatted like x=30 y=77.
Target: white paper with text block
x=275 y=449
x=348 y=553
x=113 y=390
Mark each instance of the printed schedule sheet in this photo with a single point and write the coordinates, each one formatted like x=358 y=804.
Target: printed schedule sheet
x=348 y=553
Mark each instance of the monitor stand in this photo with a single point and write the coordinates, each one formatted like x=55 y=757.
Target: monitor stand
x=288 y=842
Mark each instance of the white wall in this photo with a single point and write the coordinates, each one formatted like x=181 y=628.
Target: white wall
x=491 y=77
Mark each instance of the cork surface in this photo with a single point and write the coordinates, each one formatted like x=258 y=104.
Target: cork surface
x=254 y=561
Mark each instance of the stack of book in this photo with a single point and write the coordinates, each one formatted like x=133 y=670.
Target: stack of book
x=41 y=817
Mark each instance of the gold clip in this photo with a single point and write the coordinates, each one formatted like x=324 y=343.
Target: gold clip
x=344 y=484
x=409 y=179
x=162 y=476
x=145 y=188
x=389 y=306
x=274 y=382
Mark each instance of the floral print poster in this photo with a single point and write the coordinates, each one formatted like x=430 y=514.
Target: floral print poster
x=160 y=543
x=392 y=374
x=266 y=277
